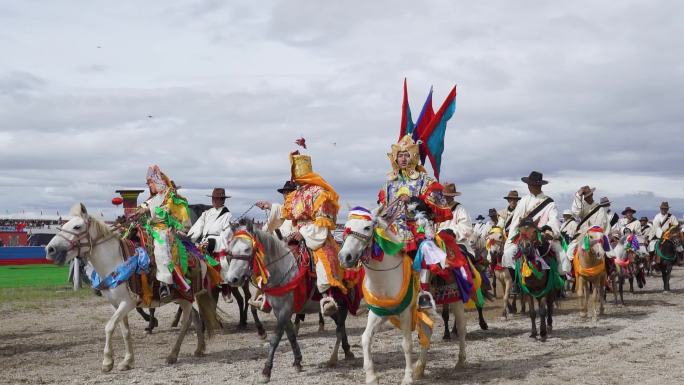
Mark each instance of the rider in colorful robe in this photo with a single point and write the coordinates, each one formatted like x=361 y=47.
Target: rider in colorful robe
x=168 y=214
x=312 y=208
x=408 y=179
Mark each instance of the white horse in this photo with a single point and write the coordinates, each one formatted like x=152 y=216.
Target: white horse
x=86 y=236
x=494 y=245
x=385 y=279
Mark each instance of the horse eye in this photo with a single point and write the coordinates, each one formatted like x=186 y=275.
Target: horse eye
x=77 y=227
x=367 y=228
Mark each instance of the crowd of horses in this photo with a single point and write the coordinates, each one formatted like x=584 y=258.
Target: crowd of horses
x=389 y=284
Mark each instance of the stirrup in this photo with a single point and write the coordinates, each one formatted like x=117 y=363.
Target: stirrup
x=164 y=292
x=425 y=300
x=260 y=304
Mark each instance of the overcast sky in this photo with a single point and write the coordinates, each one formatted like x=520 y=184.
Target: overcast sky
x=586 y=92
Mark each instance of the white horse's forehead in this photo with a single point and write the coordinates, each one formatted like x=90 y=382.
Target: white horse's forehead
x=358 y=224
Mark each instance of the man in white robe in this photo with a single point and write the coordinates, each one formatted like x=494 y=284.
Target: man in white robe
x=506 y=215
x=663 y=220
x=590 y=214
x=542 y=210
x=212 y=229
x=460 y=222
x=628 y=221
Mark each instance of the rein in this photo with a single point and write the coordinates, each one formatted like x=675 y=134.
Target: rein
x=77 y=242
x=257 y=258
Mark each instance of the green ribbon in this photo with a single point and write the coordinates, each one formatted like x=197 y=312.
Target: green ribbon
x=564 y=244
x=554 y=280
x=661 y=255
x=383 y=312
x=153 y=232
x=388 y=247
x=168 y=219
x=182 y=256
x=179 y=201
x=211 y=261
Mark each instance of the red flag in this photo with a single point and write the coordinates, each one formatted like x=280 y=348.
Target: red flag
x=301 y=142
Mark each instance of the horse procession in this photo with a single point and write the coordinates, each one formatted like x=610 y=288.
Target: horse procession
x=412 y=258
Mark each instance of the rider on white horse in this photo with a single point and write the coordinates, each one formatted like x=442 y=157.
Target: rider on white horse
x=408 y=179
x=591 y=214
x=162 y=210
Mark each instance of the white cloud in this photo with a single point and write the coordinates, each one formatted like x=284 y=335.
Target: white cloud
x=586 y=92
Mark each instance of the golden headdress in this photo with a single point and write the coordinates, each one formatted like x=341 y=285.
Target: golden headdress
x=414 y=167
x=300 y=165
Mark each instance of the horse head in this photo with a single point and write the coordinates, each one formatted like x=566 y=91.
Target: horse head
x=528 y=237
x=594 y=243
x=74 y=238
x=241 y=253
x=495 y=241
x=358 y=236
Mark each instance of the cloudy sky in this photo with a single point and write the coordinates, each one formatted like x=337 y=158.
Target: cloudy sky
x=215 y=92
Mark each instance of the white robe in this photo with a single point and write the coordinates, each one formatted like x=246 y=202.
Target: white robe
x=212 y=226
x=660 y=225
x=634 y=226
x=460 y=224
x=547 y=217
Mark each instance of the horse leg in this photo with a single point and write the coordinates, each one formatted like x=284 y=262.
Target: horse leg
x=667 y=271
x=153 y=320
x=348 y=354
x=127 y=362
x=321 y=322
x=176 y=318
x=541 y=302
x=275 y=341
x=199 y=330
x=184 y=325
x=260 y=327
x=549 y=312
x=299 y=318
x=583 y=296
x=621 y=284
x=595 y=299
x=458 y=309
x=523 y=303
x=141 y=311
x=507 y=284
x=445 y=318
x=296 y=351
x=242 y=306
x=122 y=310
x=407 y=345
x=372 y=325
x=480 y=316
x=533 y=317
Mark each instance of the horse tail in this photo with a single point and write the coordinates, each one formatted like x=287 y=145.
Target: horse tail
x=207 y=310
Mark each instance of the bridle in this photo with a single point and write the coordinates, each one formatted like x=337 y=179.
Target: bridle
x=367 y=242
x=81 y=239
x=250 y=258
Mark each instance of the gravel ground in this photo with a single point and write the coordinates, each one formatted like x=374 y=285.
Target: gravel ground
x=61 y=342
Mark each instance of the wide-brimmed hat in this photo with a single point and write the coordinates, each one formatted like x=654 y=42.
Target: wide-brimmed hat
x=643 y=219
x=287 y=187
x=513 y=194
x=535 y=179
x=219 y=192
x=493 y=212
x=450 y=190
x=604 y=201
x=628 y=209
x=567 y=212
x=665 y=205
x=479 y=217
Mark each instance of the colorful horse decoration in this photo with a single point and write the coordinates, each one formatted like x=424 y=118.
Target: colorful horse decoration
x=536 y=270
x=86 y=236
x=494 y=245
x=590 y=269
x=667 y=249
x=629 y=264
x=288 y=287
x=390 y=288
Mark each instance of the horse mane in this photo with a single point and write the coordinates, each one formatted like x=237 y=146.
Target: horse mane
x=270 y=242
x=101 y=229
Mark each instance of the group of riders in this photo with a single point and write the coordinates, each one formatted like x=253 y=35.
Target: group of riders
x=307 y=216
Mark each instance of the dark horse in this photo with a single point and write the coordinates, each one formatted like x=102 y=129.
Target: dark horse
x=251 y=247
x=536 y=282
x=667 y=250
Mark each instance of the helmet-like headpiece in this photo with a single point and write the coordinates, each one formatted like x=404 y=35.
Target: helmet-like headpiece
x=407 y=144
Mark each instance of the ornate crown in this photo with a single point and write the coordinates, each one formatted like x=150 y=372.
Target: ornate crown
x=406 y=143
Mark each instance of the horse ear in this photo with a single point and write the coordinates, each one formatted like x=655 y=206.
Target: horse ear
x=78 y=210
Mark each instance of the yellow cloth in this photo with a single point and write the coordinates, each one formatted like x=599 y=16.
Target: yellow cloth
x=477 y=283
x=588 y=272
x=419 y=319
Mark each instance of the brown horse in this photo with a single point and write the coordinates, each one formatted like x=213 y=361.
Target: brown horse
x=590 y=269
x=537 y=273
x=667 y=250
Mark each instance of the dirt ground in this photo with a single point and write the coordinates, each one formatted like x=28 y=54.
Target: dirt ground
x=60 y=342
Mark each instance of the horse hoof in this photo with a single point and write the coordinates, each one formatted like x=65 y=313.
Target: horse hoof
x=418 y=371
x=171 y=360
x=321 y=328
x=124 y=366
x=549 y=328
x=543 y=339
x=297 y=366
x=446 y=337
x=328 y=364
x=348 y=356
x=264 y=379
x=106 y=368
x=461 y=364
x=199 y=353
x=533 y=335
x=484 y=326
